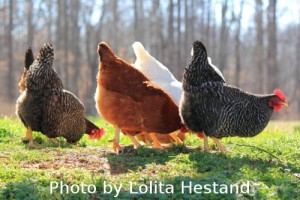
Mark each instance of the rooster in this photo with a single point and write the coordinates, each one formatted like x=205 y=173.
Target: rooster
x=219 y=110
x=46 y=107
x=128 y=100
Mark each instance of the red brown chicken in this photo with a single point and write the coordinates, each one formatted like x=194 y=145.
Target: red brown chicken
x=128 y=100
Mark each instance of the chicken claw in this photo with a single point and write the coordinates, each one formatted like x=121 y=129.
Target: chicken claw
x=156 y=143
x=28 y=136
x=54 y=140
x=218 y=143
x=174 y=136
x=116 y=141
x=134 y=141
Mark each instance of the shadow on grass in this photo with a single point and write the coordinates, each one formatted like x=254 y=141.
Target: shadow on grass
x=137 y=159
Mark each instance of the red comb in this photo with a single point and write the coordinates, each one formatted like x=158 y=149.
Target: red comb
x=280 y=94
x=98 y=133
x=184 y=129
x=200 y=135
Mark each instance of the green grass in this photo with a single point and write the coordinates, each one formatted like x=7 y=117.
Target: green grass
x=26 y=173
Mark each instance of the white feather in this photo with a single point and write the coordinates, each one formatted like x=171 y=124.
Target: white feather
x=215 y=68
x=157 y=72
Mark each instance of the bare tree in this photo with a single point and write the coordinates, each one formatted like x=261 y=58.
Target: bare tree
x=10 y=86
x=223 y=37
x=66 y=43
x=179 y=67
x=139 y=20
x=170 y=36
x=273 y=77
x=59 y=39
x=30 y=27
x=297 y=73
x=92 y=34
x=260 y=69
x=75 y=45
x=237 y=46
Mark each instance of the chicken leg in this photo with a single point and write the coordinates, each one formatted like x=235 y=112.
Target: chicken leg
x=174 y=136
x=28 y=136
x=206 y=147
x=156 y=143
x=134 y=141
x=54 y=140
x=116 y=141
x=218 y=143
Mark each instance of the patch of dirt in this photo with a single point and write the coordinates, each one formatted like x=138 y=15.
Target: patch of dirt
x=91 y=159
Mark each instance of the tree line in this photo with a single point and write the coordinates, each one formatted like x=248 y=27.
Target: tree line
x=259 y=58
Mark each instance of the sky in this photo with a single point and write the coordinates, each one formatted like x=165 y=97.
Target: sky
x=287 y=12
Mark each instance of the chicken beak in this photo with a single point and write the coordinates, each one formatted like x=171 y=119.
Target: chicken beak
x=285 y=104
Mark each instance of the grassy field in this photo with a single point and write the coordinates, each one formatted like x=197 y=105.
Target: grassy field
x=91 y=169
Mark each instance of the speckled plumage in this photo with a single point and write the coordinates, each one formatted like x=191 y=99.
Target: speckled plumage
x=45 y=106
x=41 y=75
x=209 y=104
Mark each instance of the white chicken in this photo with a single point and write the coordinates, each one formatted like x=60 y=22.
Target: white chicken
x=157 y=72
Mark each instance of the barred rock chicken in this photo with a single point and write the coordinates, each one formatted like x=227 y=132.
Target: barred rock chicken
x=128 y=100
x=46 y=107
x=218 y=109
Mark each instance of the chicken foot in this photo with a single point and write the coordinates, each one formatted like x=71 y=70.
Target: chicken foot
x=156 y=143
x=174 y=136
x=218 y=143
x=134 y=141
x=116 y=141
x=54 y=140
x=29 y=137
x=216 y=140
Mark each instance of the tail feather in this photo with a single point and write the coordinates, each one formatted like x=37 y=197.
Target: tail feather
x=139 y=50
x=93 y=131
x=46 y=54
x=29 y=58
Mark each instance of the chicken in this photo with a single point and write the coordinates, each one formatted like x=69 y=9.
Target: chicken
x=159 y=75
x=157 y=72
x=219 y=110
x=46 y=107
x=128 y=100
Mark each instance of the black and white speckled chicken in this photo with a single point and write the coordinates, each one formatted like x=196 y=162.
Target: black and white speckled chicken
x=46 y=107
x=219 y=110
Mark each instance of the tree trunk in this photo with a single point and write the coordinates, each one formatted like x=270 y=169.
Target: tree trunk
x=273 y=71
x=30 y=27
x=10 y=74
x=66 y=50
x=75 y=46
x=59 y=39
x=237 y=46
x=223 y=38
x=187 y=42
x=170 y=35
x=297 y=74
x=179 y=66
x=261 y=78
